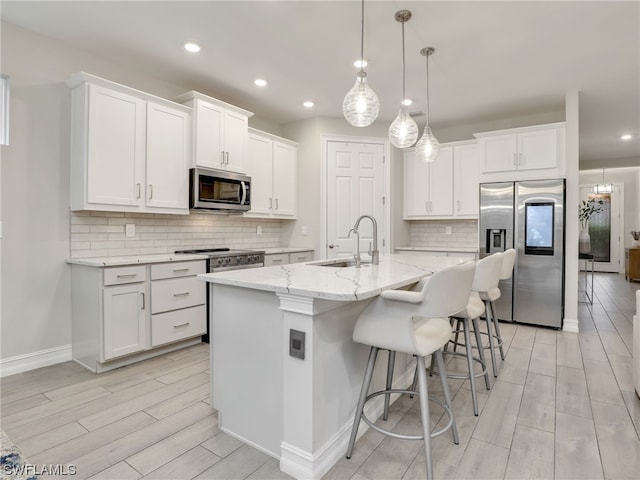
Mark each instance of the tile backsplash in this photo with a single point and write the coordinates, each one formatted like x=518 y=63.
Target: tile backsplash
x=432 y=233
x=102 y=234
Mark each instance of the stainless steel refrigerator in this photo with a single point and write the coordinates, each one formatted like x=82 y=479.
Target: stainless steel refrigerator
x=530 y=217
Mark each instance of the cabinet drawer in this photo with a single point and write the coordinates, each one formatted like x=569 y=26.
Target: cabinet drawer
x=178 y=325
x=175 y=293
x=120 y=275
x=300 y=257
x=276 y=259
x=177 y=269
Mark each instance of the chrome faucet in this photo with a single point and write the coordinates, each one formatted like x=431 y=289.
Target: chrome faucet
x=375 y=260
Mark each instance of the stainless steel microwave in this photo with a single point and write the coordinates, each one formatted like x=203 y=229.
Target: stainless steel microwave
x=219 y=191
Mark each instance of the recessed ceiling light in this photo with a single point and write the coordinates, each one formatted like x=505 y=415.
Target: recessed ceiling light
x=406 y=102
x=260 y=82
x=625 y=137
x=192 y=47
x=360 y=63
x=308 y=104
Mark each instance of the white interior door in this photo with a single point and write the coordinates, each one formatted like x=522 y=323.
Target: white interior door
x=355 y=186
x=612 y=216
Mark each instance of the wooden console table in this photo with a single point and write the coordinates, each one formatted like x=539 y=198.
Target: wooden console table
x=632 y=264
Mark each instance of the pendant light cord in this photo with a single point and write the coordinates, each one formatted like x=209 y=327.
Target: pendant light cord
x=404 y=95
x=362 y=41
x=427 y=115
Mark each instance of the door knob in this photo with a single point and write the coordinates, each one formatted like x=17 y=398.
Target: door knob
x=333 y=245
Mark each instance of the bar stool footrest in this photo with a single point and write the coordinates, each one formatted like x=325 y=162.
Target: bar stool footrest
x=399 y=435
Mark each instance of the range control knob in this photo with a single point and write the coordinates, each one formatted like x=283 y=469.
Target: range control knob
x=227 y=260
x=239 y=259
x=220 y=261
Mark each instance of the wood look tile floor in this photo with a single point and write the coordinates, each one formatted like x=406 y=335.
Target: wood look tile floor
x=562 y=407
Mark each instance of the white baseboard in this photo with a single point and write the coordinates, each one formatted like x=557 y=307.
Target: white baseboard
x=570 y=325
x=301 y=464
x=33 y=360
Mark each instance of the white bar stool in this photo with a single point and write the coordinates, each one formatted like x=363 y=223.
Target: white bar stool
x=506 y=271
x=486 y=275
x=414 y=322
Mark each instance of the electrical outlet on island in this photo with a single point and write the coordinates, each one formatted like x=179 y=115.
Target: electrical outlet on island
x=447 y=230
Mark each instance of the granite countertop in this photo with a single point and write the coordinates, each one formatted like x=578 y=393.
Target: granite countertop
x=336 y=283
x=135 y=259
x=439 y=249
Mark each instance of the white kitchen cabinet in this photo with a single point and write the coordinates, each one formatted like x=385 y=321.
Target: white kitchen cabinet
x=273 y=168
x=167 y=157
x=129 y=149
x=124 y=314
x=219 y=132
x=178 y=300
x=466 y=170
x=522 y=153
x=428 y=187
x=124 y=320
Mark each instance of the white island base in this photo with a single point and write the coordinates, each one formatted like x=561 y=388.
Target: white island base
x=299 y=410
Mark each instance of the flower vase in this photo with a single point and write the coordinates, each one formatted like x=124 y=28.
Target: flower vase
x=584 y=240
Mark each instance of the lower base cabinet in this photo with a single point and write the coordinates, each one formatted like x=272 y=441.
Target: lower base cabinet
x=123 y=314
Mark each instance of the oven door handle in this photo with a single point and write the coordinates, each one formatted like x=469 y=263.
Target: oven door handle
x=244 y=193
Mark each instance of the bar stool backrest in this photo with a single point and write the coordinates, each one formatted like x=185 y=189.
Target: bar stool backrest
x=508 y=261
x=487 y=273
x=448 y=291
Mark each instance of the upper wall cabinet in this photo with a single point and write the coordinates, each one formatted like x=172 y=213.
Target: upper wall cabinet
x=523 y=153
x=428 y=187
x=129 y=150
x=273 y=166
x=446 y=188
x=466 y=171
x=219 y=132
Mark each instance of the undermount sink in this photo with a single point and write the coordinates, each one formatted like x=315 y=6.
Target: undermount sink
x=342 y=263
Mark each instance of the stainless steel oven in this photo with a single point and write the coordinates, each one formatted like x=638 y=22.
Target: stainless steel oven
x=223 y=260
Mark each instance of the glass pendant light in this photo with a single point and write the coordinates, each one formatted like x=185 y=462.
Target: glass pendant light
x=361 y=105
x=601 y=188
x=403 y=132
x=428 y=147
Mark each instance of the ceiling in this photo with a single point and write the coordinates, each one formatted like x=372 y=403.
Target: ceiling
x=493 y=60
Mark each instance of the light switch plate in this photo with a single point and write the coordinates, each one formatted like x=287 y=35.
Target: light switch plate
x=259 y=230
x=447 y=230
x=304 y=230
x=130 y=230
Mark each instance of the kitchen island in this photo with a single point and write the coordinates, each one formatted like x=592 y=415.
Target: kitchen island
x=285 y=372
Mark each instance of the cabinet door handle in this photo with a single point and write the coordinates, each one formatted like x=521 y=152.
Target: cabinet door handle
x=515 y=158
x=138 y=189
x=222 y=157
x=270 y=203
x=520 y=159
x=143 y=302
x=426 y=206
x=276 y=203
x=181 y=325
x=150 y=192
x=181 y=294
x=178 y=270
x=126 y=275
x=227 y=160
